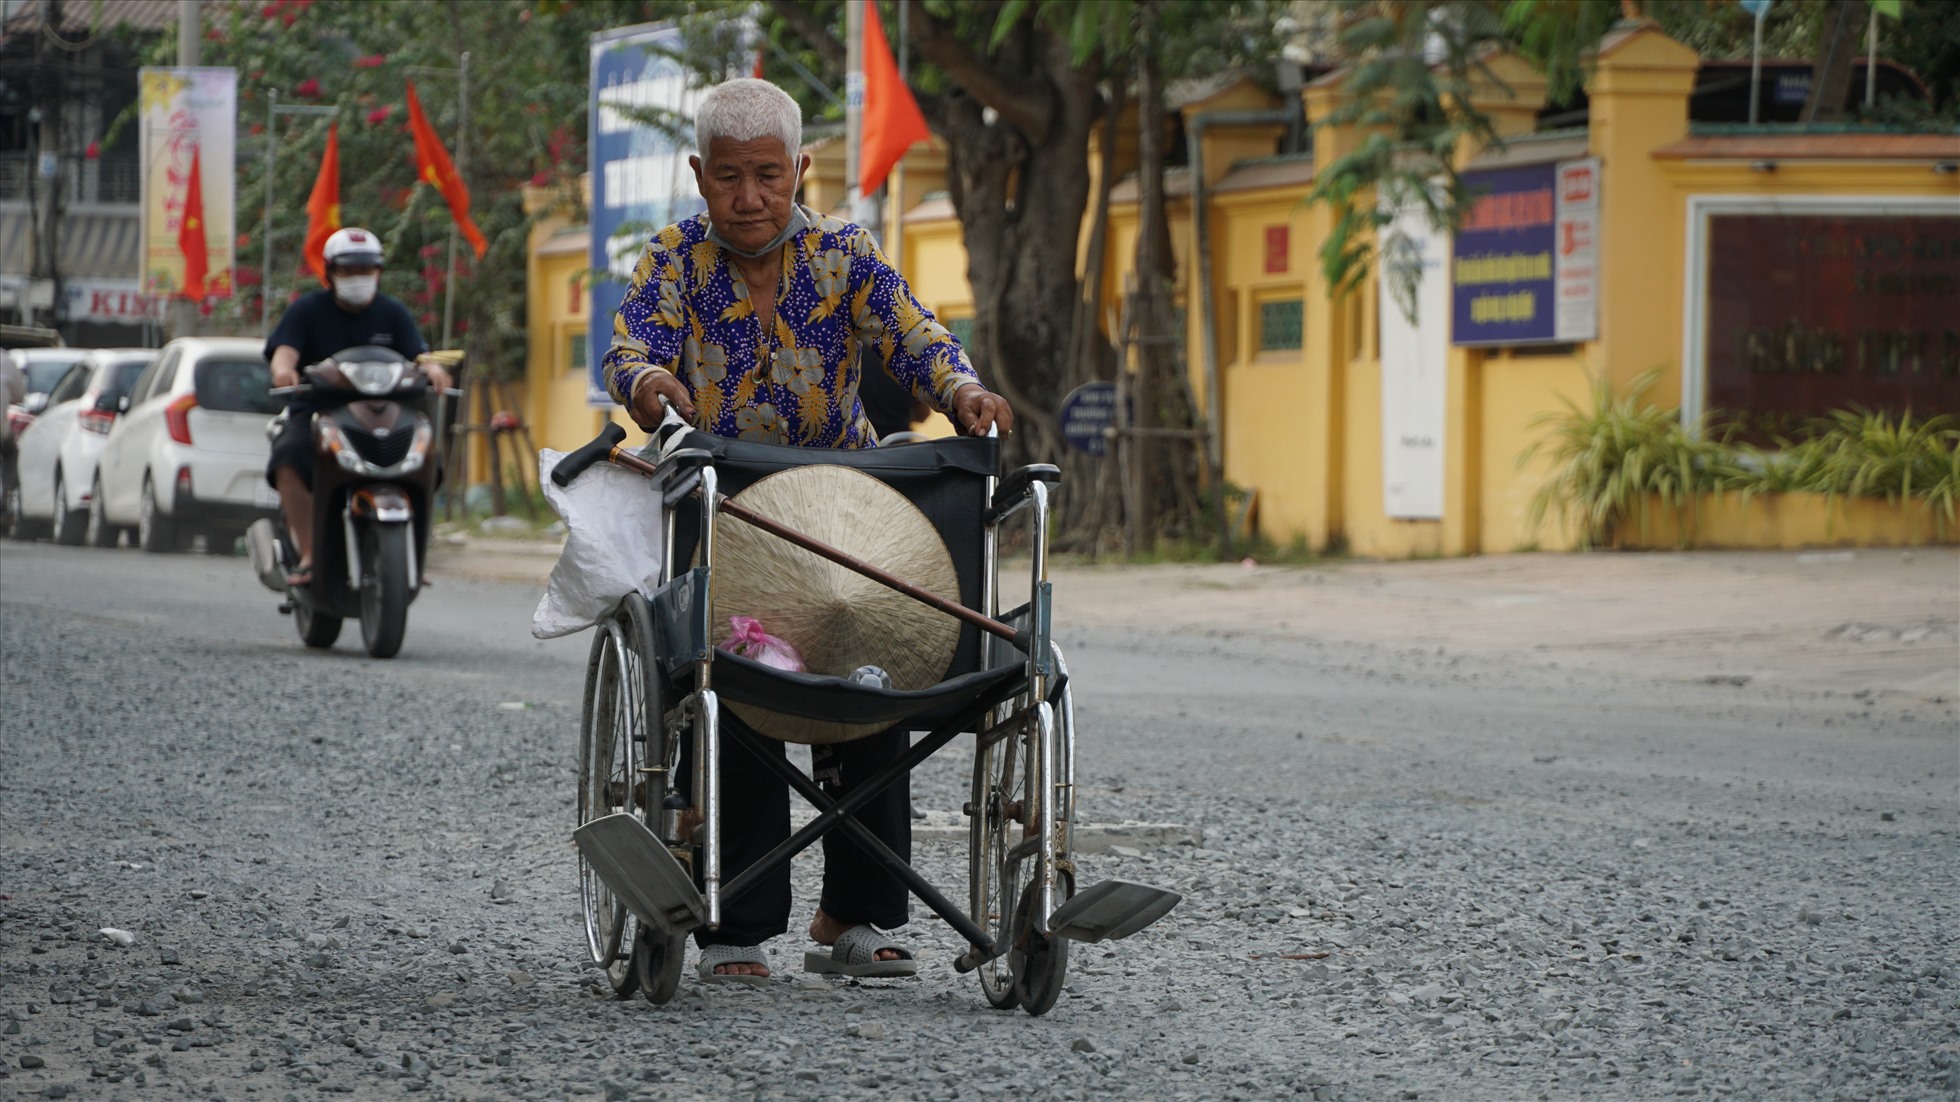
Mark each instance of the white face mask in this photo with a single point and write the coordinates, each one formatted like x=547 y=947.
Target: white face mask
x=356 y=290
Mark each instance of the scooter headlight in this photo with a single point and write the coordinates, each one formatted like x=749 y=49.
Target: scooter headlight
x=373 y=376
x=418 y=451
x=336 y=442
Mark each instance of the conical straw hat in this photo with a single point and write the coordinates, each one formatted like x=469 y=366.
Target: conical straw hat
x=836 y=618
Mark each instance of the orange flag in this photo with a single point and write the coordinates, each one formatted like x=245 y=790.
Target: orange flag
x=323 y=206
x=891 y=121
x=190 y=233
x=433 y=166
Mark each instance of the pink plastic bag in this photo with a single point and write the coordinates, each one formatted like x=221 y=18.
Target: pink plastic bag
x=749 y=640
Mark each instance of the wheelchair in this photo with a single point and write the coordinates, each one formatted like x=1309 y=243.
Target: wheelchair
x=649 y=839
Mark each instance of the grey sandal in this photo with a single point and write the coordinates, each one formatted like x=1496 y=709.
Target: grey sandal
x=856 y=954
x=714 y=956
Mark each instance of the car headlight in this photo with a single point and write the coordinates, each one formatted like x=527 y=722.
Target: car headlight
x=373 y=376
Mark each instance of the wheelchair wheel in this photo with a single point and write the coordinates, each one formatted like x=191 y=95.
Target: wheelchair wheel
x=657 y=960
x=996 y=816
x=1039 y=962
x=619 y=735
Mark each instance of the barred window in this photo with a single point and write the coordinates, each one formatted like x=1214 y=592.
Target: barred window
x=1281 y=325
x=577 y=359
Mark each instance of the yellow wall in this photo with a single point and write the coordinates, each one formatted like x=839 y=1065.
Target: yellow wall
x=557 y=313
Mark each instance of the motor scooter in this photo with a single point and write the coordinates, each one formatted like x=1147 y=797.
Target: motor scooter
x=375 y=473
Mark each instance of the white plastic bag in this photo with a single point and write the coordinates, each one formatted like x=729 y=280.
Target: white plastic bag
x=612 y=547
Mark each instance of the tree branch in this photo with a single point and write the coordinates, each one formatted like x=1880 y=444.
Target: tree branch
x=1025 y=109
x=813 y=31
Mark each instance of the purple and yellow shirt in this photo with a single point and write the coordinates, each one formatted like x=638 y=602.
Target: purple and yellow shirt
x=688 y=313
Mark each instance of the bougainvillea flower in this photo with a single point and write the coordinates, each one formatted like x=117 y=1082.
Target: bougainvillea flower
x=308 y=87
x=380 y=115
x=371 y=61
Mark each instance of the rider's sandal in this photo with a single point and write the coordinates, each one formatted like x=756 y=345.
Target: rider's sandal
x=715 y=956
x=856 y=954
x=301 y=578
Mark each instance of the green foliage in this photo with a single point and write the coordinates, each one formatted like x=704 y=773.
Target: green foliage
x=1417 y=110
x=527 y=125
x=1860 y=453
x=1608 y=458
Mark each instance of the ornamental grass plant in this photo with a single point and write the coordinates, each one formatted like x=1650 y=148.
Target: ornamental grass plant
x=1612 y=457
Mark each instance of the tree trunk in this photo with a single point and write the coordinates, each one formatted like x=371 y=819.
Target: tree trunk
x=1837 y=48
x=1020 y=201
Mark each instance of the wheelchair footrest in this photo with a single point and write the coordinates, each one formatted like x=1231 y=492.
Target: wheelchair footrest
x=642 y=873
x=1111 y=910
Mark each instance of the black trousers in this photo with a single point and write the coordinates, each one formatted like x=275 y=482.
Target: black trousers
x=755 y=818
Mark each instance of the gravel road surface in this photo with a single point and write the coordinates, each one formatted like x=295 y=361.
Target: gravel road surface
x=1614 y=827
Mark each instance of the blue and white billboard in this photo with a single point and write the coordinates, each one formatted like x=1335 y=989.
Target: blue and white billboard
x=640 y=177
x=1526 y=262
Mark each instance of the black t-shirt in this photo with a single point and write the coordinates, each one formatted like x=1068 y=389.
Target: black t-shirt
x=318 y=327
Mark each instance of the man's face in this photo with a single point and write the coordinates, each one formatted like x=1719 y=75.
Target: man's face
x=750 y=187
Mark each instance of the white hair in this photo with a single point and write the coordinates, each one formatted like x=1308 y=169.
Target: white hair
x=745 y=109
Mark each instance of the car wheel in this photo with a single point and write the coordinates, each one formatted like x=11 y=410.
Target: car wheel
x=67 y=522
x=154 y=531
x=100 y=532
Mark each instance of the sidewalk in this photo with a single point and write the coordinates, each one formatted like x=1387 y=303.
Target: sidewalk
x=1885 y=620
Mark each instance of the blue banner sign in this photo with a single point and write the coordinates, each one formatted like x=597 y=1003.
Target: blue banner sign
x=1088 y=414
x=640 y=177
x=1503 y=258
x=1526 y=262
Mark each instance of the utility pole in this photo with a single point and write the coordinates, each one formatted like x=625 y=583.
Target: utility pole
x=273 y=109
x=190 y=33
x=853 y=100
x=47 y=184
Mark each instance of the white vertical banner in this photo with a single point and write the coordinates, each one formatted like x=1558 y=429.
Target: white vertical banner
x=185 y=112
x=1575 y=257
x=1414 y=366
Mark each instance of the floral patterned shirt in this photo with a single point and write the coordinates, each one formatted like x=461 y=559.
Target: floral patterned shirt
x=688 y=313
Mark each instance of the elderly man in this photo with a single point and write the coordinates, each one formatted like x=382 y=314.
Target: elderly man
x=748 y=320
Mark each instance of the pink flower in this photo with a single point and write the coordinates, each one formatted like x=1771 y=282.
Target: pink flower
x=380 y=115
x=541 y=179
x=93 y=151
x=430 y=250
x=308 y=87
x=371 y=61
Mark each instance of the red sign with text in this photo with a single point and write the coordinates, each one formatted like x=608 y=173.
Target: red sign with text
x=1813 y=313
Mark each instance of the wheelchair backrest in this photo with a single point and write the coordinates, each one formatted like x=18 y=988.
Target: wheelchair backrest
x=946 y=479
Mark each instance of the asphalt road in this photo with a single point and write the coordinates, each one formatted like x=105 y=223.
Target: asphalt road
x=1426 y=872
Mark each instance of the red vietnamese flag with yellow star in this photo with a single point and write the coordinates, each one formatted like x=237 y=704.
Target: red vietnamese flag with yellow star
x=433 y=167
x=190 y=233
x=323 y=206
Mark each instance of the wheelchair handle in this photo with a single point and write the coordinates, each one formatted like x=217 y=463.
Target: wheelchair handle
x=599 y=447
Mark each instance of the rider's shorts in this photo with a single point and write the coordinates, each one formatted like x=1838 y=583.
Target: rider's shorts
x=293 y=447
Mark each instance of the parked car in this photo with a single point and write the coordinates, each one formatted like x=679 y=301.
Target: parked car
x=56 y=453
x=41 y=369
x=189 y=454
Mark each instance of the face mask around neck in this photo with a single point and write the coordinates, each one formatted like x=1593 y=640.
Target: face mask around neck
x=356 y=290
x=797 y=224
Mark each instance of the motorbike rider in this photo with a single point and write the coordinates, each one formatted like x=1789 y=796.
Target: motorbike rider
x=350 y=312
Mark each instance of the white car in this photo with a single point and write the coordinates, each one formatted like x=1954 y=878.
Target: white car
x=56 y=452
x=189 y=455
x=41 y=369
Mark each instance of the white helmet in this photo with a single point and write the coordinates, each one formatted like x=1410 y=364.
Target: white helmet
x=353 y=245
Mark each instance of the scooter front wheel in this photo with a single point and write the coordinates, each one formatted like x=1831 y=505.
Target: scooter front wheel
x=316 y=629
x=384 y=588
